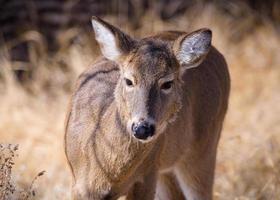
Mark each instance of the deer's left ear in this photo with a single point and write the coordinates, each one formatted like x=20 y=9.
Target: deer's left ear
x=191 y=49
x=113 y=42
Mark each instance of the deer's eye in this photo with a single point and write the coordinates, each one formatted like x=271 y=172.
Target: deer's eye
x=167 y=85
x=128 y=82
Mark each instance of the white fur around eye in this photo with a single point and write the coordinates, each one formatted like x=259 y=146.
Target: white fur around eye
x=107 y=41
x=166 y=91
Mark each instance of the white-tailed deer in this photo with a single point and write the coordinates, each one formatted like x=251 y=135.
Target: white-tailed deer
x=145 y=120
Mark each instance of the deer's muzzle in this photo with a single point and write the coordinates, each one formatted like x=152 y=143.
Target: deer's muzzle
x=143 y=130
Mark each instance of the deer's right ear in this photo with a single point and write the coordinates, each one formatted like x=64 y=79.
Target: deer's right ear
x=113 y=42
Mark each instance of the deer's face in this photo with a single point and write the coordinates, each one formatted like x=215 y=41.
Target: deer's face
x=149 y=89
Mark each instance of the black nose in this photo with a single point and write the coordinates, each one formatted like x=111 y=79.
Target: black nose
x=143 y=130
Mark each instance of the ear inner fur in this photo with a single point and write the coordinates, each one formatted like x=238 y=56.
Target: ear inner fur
x=191 y=49
x=123 y=42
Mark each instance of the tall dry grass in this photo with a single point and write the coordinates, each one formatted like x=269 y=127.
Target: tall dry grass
x=248 y=163
x=8 y=189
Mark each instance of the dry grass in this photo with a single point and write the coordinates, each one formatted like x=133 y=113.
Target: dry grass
x=248 y=165
x=8 y=189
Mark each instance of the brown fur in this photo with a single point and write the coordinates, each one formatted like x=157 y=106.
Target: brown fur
x=107 y=162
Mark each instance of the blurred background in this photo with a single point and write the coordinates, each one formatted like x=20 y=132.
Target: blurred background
x=46 y=44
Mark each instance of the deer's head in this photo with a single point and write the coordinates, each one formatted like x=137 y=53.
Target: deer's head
x=149 y=90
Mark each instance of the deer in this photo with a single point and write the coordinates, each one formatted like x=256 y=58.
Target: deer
x=145 y=119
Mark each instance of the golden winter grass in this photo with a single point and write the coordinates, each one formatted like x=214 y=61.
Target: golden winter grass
x=248 y=163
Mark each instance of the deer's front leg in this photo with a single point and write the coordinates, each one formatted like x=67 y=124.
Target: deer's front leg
x=196 y=176
x=145 y=189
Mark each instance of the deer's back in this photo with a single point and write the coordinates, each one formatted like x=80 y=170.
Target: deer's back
x=95 y=87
